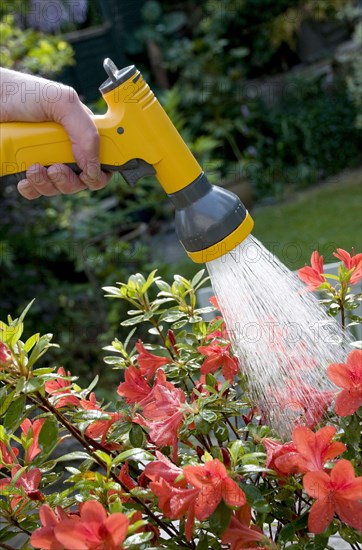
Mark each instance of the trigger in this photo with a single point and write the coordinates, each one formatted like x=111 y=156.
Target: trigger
x=136 y=169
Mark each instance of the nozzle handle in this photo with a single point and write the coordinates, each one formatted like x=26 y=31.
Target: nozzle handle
x=135 y=135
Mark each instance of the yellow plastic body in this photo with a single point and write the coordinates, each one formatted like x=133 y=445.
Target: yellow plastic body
x=147 y=134
x=226 y=245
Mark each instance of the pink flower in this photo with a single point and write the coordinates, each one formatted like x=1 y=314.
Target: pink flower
x=176 y=502
x=274 y=450
x=239 y=534
x=135 y=388
x=163 y=468
x=44 y=537
x=5 y=355
x=27 y=483
x=348 y=377
x=60 y=390
x=93 y=529
x=311 y=450
x=98 y=428
x=313 y=276
x=7 y=455
x=299 y=397
x=339 y=493
x=351 y=262
x=214 y=485
x=163 y=413
x=34 y=428
x=149 y=363
x=219 y=356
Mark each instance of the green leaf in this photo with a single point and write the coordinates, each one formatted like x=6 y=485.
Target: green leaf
x=42 y=345
x=31 y=342
x=75 y=455
x=220 y=519
x=236 y=450
x=134 y=454
x=136 y=436
x=6 y=401
x=149 y=281
x=48 y=436
x=112 y=291
x=14 y=414
x=199 y=275
x=133 y=321
x=138 y=539
x=25 y=311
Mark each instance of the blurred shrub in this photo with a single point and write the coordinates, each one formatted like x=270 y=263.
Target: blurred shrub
x=309 y=135
x=31 y=50
x=211 y=52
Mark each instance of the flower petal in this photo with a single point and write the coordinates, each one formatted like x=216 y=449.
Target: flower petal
x=347 y=403
x=338 y=373
x=117 y=527
x=350 y=512
x=232 y=494
x=317 y=484
x=320 y=515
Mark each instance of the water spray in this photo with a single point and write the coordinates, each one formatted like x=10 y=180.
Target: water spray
x=137 y=138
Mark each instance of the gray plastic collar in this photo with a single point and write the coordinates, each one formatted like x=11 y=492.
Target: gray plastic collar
x=116 y=76
x=205 y=214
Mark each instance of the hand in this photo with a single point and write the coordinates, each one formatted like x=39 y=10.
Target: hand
x=71 y=113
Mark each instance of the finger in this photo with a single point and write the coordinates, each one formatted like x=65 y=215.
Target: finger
x=27 y=190
x=37 y=177
x=65 y=180
x=85 y=140
x=98 y=181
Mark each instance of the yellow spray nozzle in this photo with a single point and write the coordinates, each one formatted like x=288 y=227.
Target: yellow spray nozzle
x=137 y=138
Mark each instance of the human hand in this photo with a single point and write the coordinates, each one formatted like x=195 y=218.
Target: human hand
x=66 y=109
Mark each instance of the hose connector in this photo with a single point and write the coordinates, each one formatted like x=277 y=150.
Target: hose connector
x=210 y=221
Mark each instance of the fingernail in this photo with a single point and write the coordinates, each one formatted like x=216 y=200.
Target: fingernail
x=93 y=171
x=54 y=173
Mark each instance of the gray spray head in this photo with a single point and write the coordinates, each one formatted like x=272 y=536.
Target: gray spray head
x=205 y=214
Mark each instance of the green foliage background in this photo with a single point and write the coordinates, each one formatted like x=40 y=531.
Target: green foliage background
x=62 y=250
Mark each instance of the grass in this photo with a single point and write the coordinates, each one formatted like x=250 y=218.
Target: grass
x=323 y=219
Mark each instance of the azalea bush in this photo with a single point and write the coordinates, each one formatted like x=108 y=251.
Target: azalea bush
x=181 y=458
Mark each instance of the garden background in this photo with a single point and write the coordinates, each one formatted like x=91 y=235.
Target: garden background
x=266 y=94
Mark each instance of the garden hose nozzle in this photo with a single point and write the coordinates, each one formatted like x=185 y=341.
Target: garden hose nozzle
x=137 y=139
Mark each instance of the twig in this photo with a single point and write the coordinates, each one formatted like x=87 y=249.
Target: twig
x=77 y=435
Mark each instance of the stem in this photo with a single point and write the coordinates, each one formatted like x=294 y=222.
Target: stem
x=231 y=426
x=77 y=435
x=6 y=546
x=155 y=324
x=343 y=319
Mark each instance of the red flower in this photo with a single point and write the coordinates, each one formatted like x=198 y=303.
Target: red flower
x=135 y=387
x=35 y=428
x=59 y=388
x=239 y=534
x=339 y=493
x=44 y=537
x=299 y=397
x=311 y=450
x=176 y=502
x=351 y=262
x=348 y=377
x=163 y=413
x=93 y=530
x=5 y=355
x=214 y=485
x=27 y=483
x=99 y=428
x=149 y=363
x=313 y=276
x=7 y=455
x=163 y=468
x=274 y=450
x=219 y=356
